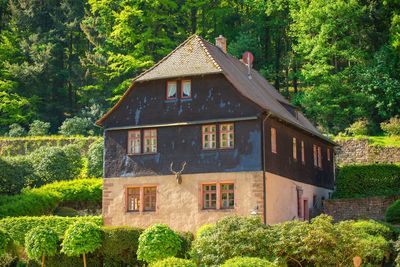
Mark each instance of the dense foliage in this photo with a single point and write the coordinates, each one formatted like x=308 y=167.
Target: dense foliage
x=44 y=200
x=393 y=213
x=81 y=238
x=173 y=262
x=40 y=242
x=247 y=262
x=338 y=59
x=38 y=128
x=392 y=126
x=367 y=180
x=15 y=174
x=95 y=159
x=158 y=242
x=5 y=241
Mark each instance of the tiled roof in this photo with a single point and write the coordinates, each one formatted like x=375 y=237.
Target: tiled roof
x=196 y=56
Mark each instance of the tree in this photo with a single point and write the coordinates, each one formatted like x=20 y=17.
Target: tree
x=40 y=242
x=81 y=238
x=38 y=127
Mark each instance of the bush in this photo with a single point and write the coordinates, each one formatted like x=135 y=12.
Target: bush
x=15 y=174
x=397 y=249
x=359 y=127
x=173 y=262
x=374 y=228
x=391 y=127
x=393 y=213
x=247 y=262
x=95 y=159
x=186 y=244
x=16 y=130
x=75 y=126
x=367 y=180
x=5 y=241
x=18 y=227
x=38 y=128
x=55 y=164
x=41 y=242
x=120 y=245
x=231 y=237
x=158 y=242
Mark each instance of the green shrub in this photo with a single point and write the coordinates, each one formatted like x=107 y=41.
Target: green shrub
x=158 y=242
x=81 y=238
x=95 y=159
x=391 y=127
x=120 y=245
x=374 y=228
x=5 y=241
x=247 y=262
x=18 y=227
x=173 y=262
x=15 y=174
x=230 y=237
x=55 y=164
x=393 y=213
x=41 y=242
x=368 y=180
x=75 y=126
x=38 y=128
x=397 y=249
x=359 y=127
x=16 y=130
x=186 y=244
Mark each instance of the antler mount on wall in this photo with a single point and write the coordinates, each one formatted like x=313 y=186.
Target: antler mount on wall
x=178 y=174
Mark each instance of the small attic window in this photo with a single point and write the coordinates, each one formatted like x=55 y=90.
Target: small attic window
x=171 y=91
x=186 y=89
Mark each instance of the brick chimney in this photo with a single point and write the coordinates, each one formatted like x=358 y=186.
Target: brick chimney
x=220 y=41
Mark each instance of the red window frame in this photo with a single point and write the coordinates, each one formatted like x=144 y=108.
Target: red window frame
x=209 y=134
x=136 y=205
x=230 y=141
x=208 y=192
x=176 y=90
x=190 y=95
x=152 y=136
x=149 y=198
x=230 y=195
x=145 y=201
x=273 y=141
x=134 y=139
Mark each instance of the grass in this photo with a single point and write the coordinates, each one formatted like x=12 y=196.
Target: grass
x=385 y=141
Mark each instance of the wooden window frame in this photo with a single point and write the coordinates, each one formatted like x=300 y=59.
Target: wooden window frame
x=227 y=132
x=274 y=148
x=129 y=148
x=153 y=195
x=203 y=134
x=303 y=153
x=204 y=192
x=176 y=90
x=294 y=148
x=141 y=199
x=186 y=97
x=227 y=191
x=219 y=196
x=150 y=137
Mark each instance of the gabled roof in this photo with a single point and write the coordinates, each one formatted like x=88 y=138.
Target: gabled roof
x=197 y=56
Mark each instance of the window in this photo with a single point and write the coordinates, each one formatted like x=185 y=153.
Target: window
x=209 y=136
x=186 y=89
x=226 y=135
x=134 y=199
x=134 y=142
x=149 y=198
x=273 y=140
x=142 y=198
x=210 y=196
x=227 y=196
x=150 y=141
x=294 y=148
x=171 y=90
x=303 y=154
x=218 y=196
x=315 y=155
x=319 y=157
x=328 y=154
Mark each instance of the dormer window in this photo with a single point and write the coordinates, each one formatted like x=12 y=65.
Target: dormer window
x=172 y=90
x=186 y=89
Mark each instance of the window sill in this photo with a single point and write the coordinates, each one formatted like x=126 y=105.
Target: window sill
x=143 y=154
x=218 y=210
x=172 y=100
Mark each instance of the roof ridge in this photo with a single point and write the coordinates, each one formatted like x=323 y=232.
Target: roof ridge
x=208 y=52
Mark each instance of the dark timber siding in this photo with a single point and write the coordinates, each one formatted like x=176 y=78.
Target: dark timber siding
x=213 y=97
x=183 y=143
x=283 y=163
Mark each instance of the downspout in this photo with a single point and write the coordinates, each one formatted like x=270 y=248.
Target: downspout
x=263 y=157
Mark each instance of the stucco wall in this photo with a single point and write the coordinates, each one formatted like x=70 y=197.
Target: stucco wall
x=179 y=205
x=282 y=198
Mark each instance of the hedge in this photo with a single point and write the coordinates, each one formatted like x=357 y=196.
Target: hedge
x=79 y=193
x=355 y=181
x=173 y=262
x=393 y=213
x=18 y=227
x=15 y=174
x=247 y=262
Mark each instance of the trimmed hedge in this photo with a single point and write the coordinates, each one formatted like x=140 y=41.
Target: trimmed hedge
x=355 y=181
x=43 y=201
x=393 y=213
x=18 y=227
x=173 y=262
x=247 y=262
x=15 y=174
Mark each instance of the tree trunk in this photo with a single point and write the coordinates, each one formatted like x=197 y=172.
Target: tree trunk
x=84 y=260
x=42 y=260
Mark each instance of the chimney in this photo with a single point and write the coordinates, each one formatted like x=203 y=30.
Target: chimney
x=220 y=41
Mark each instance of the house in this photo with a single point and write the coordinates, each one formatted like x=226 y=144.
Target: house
x=200 y=136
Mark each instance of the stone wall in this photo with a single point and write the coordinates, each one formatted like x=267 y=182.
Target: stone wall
x=359 y=151
x=358 y=208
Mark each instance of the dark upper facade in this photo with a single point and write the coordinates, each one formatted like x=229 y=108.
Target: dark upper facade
x=200 y=105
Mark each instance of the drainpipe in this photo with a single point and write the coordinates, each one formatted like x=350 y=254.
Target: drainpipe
x=263 y=157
